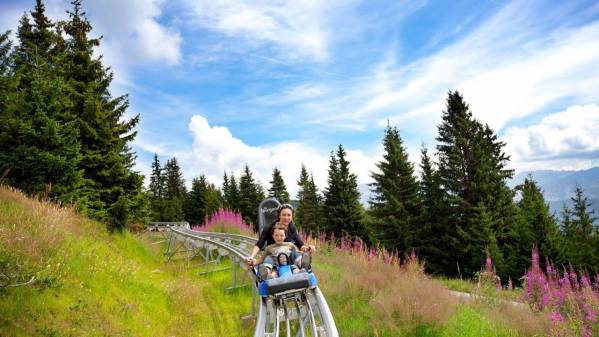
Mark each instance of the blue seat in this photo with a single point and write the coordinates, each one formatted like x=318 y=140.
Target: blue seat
x=287 y=282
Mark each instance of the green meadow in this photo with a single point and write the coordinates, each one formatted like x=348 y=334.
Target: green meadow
x=65 y=275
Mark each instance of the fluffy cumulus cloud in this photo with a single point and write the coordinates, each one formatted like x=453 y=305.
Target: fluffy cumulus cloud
x=564 y=140
x=133 y=32
x=215 y=149
x=296 y=28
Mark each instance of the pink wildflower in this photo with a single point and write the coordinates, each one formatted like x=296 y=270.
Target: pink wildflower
x=556 y=317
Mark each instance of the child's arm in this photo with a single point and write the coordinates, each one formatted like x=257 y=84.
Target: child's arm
x=261 y=258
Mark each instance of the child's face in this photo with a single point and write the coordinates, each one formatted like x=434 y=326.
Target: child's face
x=278 y=236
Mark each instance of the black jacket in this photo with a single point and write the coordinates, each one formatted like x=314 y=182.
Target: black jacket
x=266 y=239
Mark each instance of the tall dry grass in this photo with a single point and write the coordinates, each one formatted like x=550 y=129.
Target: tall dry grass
x=400 y=294
x=403 y=298
x=31 y=234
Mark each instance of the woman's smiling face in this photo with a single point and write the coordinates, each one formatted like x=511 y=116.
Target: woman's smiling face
x=286 y=216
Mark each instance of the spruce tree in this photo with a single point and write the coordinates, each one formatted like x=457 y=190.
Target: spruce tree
x=157 y=190
x=39 y=151
x=251 y=194
x=578 y=235
x=225 y=188
x=195 y=207
x=308 y=210
x=278 y=190
x=434 y=238
x=175 y=192
x=537 y=226
x=213 y=199
x=301 y=183
x=203 y=200
x=157 y=179
x=472 y=171
x=232 y=194
x=107 y=161
x=332 y=199
x=395 y=203
x=6 y=77
x=344 y=213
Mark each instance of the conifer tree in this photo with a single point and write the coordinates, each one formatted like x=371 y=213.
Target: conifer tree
x=39 y=150
x=251 y=194
x=213 y=199
x=578 y=235
x=157 y=179
x=225 y=188
x=472 y=171
x=278 y=190
x=537 y=226
x=308 y=210
x=5 y=69
x=433 y=239
x=342 y=199
x=195 y=207
x=203 y=199
x=175 y=192
x=395 y=203
x=301 y=183
x=104 y=134
x=231 y=195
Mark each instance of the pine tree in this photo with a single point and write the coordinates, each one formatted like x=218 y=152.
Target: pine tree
x=195 y=208
x=175 y=192
x=6 y=77
x=232 y=194
x=472 y=171
x=537 y=226
x=308 y=210
x=579 y=234
x=156 y=179
x=213 y=199
x=278 y=190
x=342 y=199
x=251 y=194
x=39 y=150
x=395 y=203
x=225 y=188
x=332 y=198
x=302 y=183
x=107 y=160
x=434 y=239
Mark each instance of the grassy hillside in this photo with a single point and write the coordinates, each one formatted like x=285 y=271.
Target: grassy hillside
x=64 y=275
x=88 y=282
x=373 y=298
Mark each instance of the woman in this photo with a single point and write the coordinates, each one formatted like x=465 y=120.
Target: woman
x=285 y=215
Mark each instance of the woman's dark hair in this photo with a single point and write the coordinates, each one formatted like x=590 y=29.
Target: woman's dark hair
x=285 y=206
x=278 y=227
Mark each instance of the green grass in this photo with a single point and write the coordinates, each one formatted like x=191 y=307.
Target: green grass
x=123 y=288
x=92 y=283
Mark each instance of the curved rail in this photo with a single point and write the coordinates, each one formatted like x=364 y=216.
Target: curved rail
x=304 y=312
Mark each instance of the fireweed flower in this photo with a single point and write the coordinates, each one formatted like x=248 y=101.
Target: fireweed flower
x=556 y=317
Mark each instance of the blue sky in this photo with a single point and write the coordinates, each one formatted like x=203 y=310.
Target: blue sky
x=221 y=83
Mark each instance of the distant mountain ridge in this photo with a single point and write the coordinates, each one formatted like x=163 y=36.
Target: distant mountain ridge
x=558 y=186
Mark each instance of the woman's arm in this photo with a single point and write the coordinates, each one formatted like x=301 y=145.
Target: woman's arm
x=250 y=259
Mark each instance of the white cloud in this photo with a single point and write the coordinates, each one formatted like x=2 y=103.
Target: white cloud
x=513 y=65
x=215 y=149
x=297 y=28
x=133 y=33
x=567 y=140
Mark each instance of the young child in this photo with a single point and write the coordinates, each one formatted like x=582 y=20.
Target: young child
x=272 y=253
